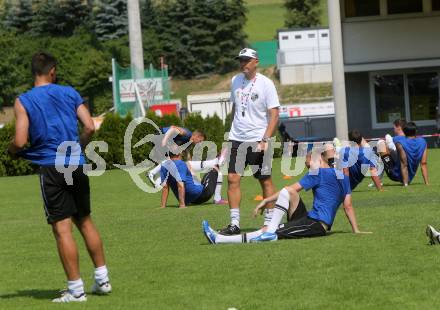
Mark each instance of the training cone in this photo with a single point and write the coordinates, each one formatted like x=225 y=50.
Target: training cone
x=258 y=198
x=287 y=177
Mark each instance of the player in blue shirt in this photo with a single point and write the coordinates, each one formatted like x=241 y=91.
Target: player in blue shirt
x=330 y=188
x=173 y=137
x=175 y=174
x=47 y=116
x=411 y=152
x=358 y=159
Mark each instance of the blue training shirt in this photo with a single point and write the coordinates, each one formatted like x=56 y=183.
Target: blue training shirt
x=51 y=110
x=414 y=149
x=173 y=171
x=179 y=138
x=358 y=160
x=328 y=193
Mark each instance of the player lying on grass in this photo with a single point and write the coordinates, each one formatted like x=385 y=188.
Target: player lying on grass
x=410 y=152
x=176 y=174
x=358 y=160
x=330 y=188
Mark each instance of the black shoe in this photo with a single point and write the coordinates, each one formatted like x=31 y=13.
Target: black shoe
x=230 y=230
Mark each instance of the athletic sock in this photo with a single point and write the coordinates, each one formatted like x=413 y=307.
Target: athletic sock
x=76 y=287
x=267 y=216
x=101 y=274
x=197 y=165
x=155 y=170
x=244 y=238
x=218 y=187
x=235 y=217
x=281 y=207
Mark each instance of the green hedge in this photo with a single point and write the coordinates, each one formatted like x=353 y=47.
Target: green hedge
x=112 y=131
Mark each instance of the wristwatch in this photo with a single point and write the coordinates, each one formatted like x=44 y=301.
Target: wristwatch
x=265 y=139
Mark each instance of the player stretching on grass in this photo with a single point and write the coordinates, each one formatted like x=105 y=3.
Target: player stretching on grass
x=401 y=165
x=330 y=188
x=176 y=174
x=359 y=159
x=48 y=114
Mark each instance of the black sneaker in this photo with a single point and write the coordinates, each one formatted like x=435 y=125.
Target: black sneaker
x=230 y=230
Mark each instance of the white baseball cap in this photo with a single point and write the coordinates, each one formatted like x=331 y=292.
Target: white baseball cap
x=247 y=53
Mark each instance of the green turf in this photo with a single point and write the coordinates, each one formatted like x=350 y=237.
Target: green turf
x=159 y=259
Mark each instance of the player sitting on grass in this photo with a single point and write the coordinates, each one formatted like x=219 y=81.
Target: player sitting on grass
x=176 y=174
x=357 y=160
x=410 y=152
x=330 y=188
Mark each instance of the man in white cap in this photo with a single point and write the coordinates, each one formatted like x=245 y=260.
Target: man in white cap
x=255 y=119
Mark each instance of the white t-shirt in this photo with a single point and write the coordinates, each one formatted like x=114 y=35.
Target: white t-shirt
x=252 y=100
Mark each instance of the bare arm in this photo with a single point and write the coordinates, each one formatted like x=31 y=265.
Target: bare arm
x=375 y=178
x=349 y=212
x=21 y=129
x=403 y=164
x=274 y=115
x=83 y=115
x=165 y=191
x=171 y=132
x=424 y=166
x=181 y=191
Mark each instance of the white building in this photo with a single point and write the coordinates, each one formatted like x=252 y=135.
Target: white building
x=304 y=56
x=210 y=103
x=385 y=63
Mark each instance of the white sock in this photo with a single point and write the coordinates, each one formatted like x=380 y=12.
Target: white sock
x=244 y=238
x=218 y=187
x=235 y=217
x=267 y=216
x=76 y=288
x=281 y=207
x=198 y=166
x=101 y=274
x=155 y=170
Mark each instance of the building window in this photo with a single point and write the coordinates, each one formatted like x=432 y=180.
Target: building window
x=285 y=38
x=298 y=36
x=311 y=35
x=436 y=5
x=413 y=96
x=423 y=95
x=390 y=98
x=358 y=8
x=405 y=6
x=324 y=35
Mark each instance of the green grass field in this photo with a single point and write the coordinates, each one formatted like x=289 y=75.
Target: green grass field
x=159 y=259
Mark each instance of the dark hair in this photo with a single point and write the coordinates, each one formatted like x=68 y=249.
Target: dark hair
x=410 y=129
x=355 y=136
x=400 y=122
x=199 y=132
x=42 y=63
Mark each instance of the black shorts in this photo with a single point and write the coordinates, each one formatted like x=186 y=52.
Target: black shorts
x=260 y=169
x=209 y=182
x=300 y=225
x=388 y=165
x=61 y=200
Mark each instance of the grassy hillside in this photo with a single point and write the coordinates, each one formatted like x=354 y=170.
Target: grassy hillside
x=266 y=16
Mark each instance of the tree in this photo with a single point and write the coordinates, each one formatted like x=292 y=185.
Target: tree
x=302 y=13
x=18 y=16
x=111 y=21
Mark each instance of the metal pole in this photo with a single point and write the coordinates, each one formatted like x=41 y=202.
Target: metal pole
x=337 y=57
x=114 y=81
x=135 y=37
